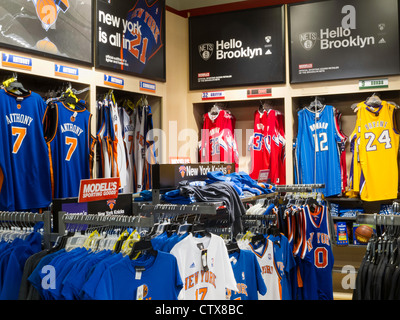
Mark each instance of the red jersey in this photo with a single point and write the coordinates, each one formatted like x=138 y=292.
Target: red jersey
x=259 y=154
x=267 y=146
x=218 y=143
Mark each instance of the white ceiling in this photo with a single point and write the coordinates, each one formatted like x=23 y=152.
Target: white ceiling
x=193 y=4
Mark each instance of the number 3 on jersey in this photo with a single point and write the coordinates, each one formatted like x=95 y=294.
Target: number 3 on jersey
x=72 y=142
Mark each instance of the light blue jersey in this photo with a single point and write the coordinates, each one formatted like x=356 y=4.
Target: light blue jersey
x=247 y=273
x=317 y=153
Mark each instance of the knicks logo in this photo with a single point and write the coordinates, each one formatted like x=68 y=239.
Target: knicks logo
x=47 y=11
x=182 y=170
x=111 y=203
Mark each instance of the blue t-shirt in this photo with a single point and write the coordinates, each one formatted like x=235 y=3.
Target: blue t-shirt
x=159 y=280
x=62 y=267
x=74 y=281
x=35 y=277
x=94 y=274
x=247 y=273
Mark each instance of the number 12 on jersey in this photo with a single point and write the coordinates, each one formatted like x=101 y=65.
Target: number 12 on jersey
x=321 y=141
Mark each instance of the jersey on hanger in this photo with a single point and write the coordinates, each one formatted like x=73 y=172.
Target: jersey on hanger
x=144 y=154
x=259 y=146
x=378 y=149
x=119 y=162
x=316 y=254
x=104 y=141
x=317 y=151
x=269 y=270
x=267 y=144
x=218 y=143
x=24 y=156
x=128 y=125
x=69 y=149
x=247 y=273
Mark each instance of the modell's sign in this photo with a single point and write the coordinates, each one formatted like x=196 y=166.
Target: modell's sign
x=98 y=189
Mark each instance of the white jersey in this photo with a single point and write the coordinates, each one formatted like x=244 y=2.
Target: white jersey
x=119 y=156
x=200 y=283
x=265 y=258
x=128 y=124
x=140 y=145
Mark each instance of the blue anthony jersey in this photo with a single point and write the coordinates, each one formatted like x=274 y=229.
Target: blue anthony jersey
x=316 y=254
x=247 y=273
x=159 y=280
x=24 y=156
x=70 y=150
x=317 y=152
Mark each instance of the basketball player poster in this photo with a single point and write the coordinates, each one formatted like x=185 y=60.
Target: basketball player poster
x=131 y=37
x=54 y=28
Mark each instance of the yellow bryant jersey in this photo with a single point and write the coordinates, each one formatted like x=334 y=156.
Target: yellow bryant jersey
x=378 y=148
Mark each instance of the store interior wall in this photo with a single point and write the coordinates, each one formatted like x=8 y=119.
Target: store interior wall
x=184 y=108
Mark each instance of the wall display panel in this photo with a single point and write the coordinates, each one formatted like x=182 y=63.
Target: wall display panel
x=331 y=40
x=131 y=37
x=237 y=48
x=54 y=28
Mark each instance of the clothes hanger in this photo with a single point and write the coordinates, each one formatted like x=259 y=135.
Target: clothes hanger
x=215 y=109
x=373 y=100
x=198 y=228
x=232 y=246
x=13 y=85
x=264 y=106
x=144 y=245
x=316 y=105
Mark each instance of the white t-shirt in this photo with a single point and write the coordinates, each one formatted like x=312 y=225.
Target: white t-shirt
x=198 y=283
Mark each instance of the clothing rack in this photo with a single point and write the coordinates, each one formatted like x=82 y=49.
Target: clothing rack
x=269 y=217
x=209 y=208
x=299 y=187
x=30 y=217
x=108 y=220
x=378 y=219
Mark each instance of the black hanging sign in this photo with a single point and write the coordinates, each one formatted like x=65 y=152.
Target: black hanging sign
x=342 y=39
x=237 y=48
